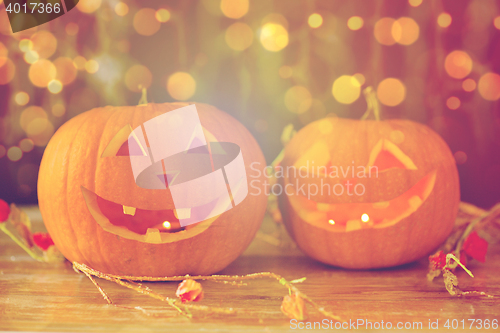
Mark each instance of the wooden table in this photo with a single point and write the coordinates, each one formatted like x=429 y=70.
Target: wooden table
x=52 y=297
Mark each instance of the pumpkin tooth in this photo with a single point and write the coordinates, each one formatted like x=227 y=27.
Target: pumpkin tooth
x=129 y=210
x=153 y=236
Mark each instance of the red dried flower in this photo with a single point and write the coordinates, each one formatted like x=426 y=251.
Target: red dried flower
x=475 y=247
x=42 y=240
x=4 y=211
x=189 y=290
x=293 y=306
x=437 y=260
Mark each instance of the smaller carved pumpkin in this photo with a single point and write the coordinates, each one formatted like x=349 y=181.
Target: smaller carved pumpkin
x=367 y=194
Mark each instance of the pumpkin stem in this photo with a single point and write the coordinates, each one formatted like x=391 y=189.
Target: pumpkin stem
x=144 y=97
x=372 y=104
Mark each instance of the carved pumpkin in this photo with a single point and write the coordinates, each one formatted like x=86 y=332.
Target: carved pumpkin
x=97 y=214
x=365 y=194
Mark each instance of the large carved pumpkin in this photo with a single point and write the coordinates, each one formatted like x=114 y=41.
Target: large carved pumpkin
x=99 y=214
x=366 y=194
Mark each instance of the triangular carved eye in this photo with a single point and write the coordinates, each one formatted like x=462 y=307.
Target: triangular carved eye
x=386 y=155
x=124 y=143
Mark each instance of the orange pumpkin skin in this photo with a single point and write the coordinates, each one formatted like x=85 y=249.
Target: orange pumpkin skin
x=381 y=242
x=72 y=159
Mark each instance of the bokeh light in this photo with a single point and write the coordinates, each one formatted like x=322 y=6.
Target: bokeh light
x=22 y=98
x=42 y=72
x=7 y=71
x=92 y=66
x=80 y=62
x=30 y=114
x=489 y=86
x=275 y=18
x=66 y=70
x=460 y=157
x=26 y=145
x=88 y=6
x=25 y=45
x=391 y=92
x=360 y=78
x=355 y=23
x=40 y=131
x=72 y=28
x=239 y=36
x=453 y=103
x=3 y=151
x=458 y=64
x=285 y=72
x=162 y=15
x=121 y=9
x=145 y=22
x=405 y=31
x=138 y=77
x=469 y=85
x=44 y=43
x=415 y=3
x=181 y=86
x=444 y=20
x=31 y=57
x=315 y=20
x=346 y=89
x=234 y=9
x=298 y=99
x=14 y=154
x=273 y=37
x=55 y=86
x=383 y=31
x=58 y=109
x=4 y=52
x=496 y=22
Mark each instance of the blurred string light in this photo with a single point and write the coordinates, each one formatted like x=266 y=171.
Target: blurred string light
x=315 y=20
x=58 y=109
x=72 y=28
x=14 y=154
x=26 y=145
x=7 y=71
x=91 y=66
x=79 y=62
x=346 y=89
x=298 y=99
x=138 y=77
x=66 y=70
x=273 y=37
x=55 y=86
x=355 y=23
x=489 y=86
x=460 y=157
x=391 y=92
x=415 y=3
x=469 y=85
x=4 y=53
x=145 y=22
x=181 y=86
x=234 y=9
x=121 y=8
x=239 y=36
x=88 y=6
x=444 y=20
x=44 y=43
x=453 y=103
x=496 y=22
x=22 y=98
x=162 y=15
x=388 y=31
x=42 y=72
x=458 y=64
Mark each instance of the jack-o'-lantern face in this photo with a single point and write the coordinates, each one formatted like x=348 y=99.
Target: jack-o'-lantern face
x=113 y=192
x=349 y=177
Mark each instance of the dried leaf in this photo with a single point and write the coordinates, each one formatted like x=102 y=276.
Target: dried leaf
x=21 y=222
x=451 y=282
x=293 y=306
x=4 y=211
x=189 y=290
x=475 y=247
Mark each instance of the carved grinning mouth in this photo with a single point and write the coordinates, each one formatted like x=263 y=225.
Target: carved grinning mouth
x=150 y=226
x=347 y=217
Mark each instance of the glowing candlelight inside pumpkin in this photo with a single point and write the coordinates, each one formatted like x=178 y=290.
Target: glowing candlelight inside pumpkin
x=167 y=225
x=365 y=218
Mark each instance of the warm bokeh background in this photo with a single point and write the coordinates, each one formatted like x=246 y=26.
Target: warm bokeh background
x=268 y=63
